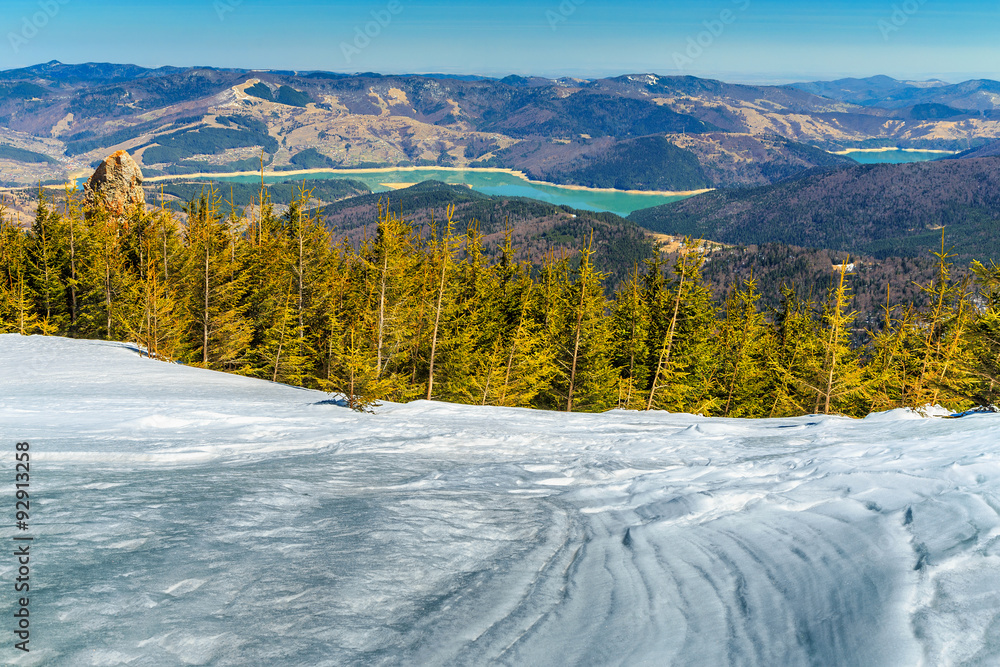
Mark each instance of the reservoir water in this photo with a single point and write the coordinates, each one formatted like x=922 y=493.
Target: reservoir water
x=511 y=185
x=488 y=182
x=895 y=156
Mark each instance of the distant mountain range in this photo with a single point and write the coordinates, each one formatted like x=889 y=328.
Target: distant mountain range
x=639 y=131
x=980 y=95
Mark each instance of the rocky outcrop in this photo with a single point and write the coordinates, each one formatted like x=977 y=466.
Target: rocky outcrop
x=116 y=186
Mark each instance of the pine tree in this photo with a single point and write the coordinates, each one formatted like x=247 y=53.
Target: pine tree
x=216 y=331
x=630 y=324
x=797 y=349
x=837 y=380
x=17 y=301
x=586 y=374
x=682 y=322
x=744 y=339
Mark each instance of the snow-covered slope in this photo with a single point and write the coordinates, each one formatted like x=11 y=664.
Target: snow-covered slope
x=189 y=517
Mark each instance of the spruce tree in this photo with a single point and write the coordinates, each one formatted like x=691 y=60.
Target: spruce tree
x=944 y=373
x=17 y=300
x=442 y=251
x=48 y=266
x=630 y=326
x=891 y=358
x=985 y=335
x=585 y=371
x=796 y=350
x=744 y=378
x=838 y=380
x=216 y=332
x=682 y=324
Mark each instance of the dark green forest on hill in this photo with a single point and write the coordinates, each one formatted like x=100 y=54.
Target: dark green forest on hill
x=8 y=152
x=245 y=194
x=880 y=210
x=241 y=132
x=647 y=163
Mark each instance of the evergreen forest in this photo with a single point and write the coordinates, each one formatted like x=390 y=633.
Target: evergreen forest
x=422 y=312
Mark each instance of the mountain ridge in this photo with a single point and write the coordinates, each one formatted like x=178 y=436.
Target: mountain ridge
x=564 y=130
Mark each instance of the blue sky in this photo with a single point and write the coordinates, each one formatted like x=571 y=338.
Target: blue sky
x=732 y=39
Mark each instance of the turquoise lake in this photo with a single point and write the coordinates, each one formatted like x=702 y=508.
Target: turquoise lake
x=490 y=183
x=500 y=183
x=895 y=156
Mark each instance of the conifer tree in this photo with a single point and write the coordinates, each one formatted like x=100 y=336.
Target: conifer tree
x=467 y=327
x=311 y=246
x=352 y=372
x=217 y=332
x=271 y=258
x=630 y=324
x=744 y=339
x=77 y=242
x=17 y=301
x=443 y=251
x=109 y=286
x=985 y=335
x=945 y=364
x=390 y=263
x=48 y=265
x=682 y=323
x=529 y=365
x=838 y=380
x=797 y=350
x=891 y=359
x=585 y=371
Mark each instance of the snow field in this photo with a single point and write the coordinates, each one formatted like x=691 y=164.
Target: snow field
x=189 y=517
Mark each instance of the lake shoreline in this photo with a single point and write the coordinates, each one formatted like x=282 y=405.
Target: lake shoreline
x=889 y=150
x=383 y=170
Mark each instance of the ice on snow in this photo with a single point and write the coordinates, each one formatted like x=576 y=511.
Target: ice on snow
x=183 y=516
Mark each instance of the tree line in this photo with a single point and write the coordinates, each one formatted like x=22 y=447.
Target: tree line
x=408 y=313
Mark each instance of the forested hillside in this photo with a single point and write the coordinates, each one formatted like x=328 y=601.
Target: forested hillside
x=537 y=228
x=403 y=316
x=182 y=192
x=879 y=210
x=873 y=281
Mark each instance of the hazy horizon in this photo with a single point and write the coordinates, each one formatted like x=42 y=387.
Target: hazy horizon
x=729 y=77
x=735 y=40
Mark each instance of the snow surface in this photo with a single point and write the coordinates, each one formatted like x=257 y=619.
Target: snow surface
x=189 y=517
